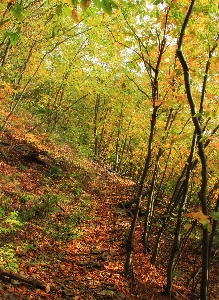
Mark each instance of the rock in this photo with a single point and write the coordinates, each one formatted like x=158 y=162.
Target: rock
x=94 y=265
x=69 y=292
x=104 y=256
x=9 y=296
x=121 y=211
x=15 y=282
x=120 y=296
x=107 y=293
x=112 y=287
x=98 y=250
x=114 y=253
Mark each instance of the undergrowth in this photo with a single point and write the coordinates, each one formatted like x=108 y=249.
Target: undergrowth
x=50 y=197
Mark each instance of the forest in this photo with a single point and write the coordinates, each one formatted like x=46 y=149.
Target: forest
x=109 y=149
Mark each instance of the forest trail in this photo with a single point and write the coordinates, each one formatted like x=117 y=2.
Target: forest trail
x=73 y=239
x=135 y=85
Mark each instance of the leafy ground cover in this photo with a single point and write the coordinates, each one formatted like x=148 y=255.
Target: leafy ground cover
x=63 y=233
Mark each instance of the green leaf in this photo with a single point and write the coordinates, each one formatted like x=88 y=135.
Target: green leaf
x=59 y=10
x=166 y=216
x=156 y=2
x=17 y=11
x=204 y=222
x=114 y=4
x=179 y=72
x=1 y=212
x=106 y=6
x=14 y=38
x=215 y=215
x=21 y=37
x=203 y=139
x=207 y=226
x=97 y=3
x=74 y=3
x=66 y=10
x=198 y=115
x=3 y=22
x=55 y=31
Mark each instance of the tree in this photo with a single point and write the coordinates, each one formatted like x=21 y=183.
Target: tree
x=136 y=86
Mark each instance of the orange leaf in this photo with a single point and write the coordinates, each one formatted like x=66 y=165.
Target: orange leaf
x=75 y=16
x=198 y=215
x=85 y=4
x=48 y=288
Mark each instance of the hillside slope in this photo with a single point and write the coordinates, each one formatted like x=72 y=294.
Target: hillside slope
x=68 y=238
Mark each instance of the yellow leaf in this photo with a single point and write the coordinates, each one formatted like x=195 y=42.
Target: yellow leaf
x=48 y=288
x=187 y=226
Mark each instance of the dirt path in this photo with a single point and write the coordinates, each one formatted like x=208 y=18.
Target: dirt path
x=91 y=265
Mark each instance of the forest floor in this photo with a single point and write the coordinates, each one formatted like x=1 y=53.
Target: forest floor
x=71 y=243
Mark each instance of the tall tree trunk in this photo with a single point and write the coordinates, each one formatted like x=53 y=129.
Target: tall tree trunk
x=5 y=56
x=202 y=156
x=155 y=98
x=116 y=163
x=150 y=203
x=177 y=193
x=213 y=231
x=176 y=242
x=123 y=147
x=129 y=245
x=170 y=209
x=96 y=110
x=151 y=199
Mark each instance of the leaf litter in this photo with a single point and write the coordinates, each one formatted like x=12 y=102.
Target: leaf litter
x=76 y=247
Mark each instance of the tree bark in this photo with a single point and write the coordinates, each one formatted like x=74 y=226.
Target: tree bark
x=96 y=110
x=202 y=156
x=176 y=242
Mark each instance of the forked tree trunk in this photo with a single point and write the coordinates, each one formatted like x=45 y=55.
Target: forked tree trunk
x=155 y=98
x=129 y=245
x=172 y=205
x=150 y=203
x=151 y=199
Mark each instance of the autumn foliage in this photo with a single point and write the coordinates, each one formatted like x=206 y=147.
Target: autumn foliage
x=109 y=149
